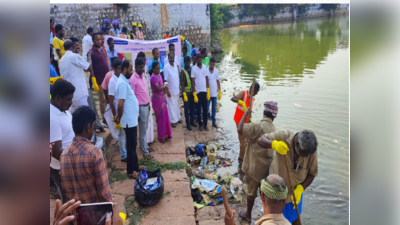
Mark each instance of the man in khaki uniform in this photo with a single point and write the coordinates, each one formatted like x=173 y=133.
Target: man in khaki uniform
x=273 y=193
x=256 y=159
x=301 y=150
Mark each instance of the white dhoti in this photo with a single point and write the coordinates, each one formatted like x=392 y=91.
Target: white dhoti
x=150 y=127
x=77 y=103
x=111 y=126
x=174 y=111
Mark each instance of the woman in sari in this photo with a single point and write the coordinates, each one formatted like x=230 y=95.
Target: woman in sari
x=159 y=102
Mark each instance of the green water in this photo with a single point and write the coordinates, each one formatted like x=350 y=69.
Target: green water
x=297 y=64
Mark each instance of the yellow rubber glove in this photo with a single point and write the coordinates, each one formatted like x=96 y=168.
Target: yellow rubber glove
x=95 y=86
x=185 y=99
x=280 y=147
x=208 y=94
x=297 y=192
x=117 y=126
x=123 y=217
x=240 y=102
x=182 y=38
x=219 y=95
x=196 y=100
x=54 y=79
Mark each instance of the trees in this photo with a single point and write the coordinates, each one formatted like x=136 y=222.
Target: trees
x=219 y=14
x=268 y=11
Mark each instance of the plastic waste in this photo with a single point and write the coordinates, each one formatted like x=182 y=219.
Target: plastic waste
x=211 y=148
x=204 y=185
x=236 y=183
x=198 y=206
x=149 y=195
x=196 y=196
x=226 y=177
x=201 y=150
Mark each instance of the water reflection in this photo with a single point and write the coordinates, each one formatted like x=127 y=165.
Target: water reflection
x=281 y=54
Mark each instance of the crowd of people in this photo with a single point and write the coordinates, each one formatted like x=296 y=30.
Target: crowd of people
x=129 y=93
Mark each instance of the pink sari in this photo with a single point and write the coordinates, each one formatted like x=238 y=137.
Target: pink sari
x=159 y=103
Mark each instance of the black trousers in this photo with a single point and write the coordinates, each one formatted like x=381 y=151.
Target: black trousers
x=131 y=142
x=55 y=175
x=202 y=104
x=189 y=108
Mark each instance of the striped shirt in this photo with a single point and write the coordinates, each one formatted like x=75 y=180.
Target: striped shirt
x=83 y=172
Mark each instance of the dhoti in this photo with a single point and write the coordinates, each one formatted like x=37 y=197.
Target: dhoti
x=174 y=111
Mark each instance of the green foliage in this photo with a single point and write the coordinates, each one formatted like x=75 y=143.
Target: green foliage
x=219 y=14
x=302 y=9
x=115 y=175
x=134 y=214
x=153 y=165
x=268 y=11
x=328 y=7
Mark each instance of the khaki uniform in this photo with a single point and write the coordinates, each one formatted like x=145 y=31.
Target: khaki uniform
x=306 y=165
x=241 y=138
x=257 y=160
x=273 y=219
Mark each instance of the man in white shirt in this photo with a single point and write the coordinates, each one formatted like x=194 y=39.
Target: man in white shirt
x=112 y=98
x=201 y=91
x=61 y=132
x=87 y=42
x=72 y=68
x=171 y=75
x=215 y=91
x=171 y=48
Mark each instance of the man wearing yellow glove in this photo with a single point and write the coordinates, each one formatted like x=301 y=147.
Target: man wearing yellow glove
x=188 y=98
x=200 y=85
x=243 y=100
x=213 y=91
x=300 y=148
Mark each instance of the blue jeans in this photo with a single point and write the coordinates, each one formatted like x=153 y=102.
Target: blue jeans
x=122 y=143
x=214 y=109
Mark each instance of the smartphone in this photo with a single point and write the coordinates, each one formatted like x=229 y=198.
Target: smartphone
x=93 y=214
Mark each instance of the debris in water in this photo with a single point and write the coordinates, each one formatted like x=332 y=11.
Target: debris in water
x=342 y=148
x=334 y=211
x=336 y=141
x=300 y=106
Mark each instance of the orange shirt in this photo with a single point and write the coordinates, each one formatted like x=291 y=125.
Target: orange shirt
x=166 y=37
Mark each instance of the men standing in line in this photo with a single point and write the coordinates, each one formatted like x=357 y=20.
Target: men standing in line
x=243 y=100
x=257 y=160
x=171 y=48
x=107 y=31
x=116 y=29
x=187 y=93
x=72 y=68
x=171 y=75
x=127 y=116
x=200 y=85
x=97 y=57
x=61 y=132
x=215 y=91
x=83 y=166
x=301 y=150
x=139 y=86
x=156 y=57
x=58 y=41
x=140 y=32
x=113 y=100
x=87 y=42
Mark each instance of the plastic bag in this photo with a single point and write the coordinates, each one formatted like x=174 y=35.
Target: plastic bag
x=204 y=185
x=152 y=196
x=236 y=183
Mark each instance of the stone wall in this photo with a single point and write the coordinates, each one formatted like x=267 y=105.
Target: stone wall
x=190 y=20
x=287 y=14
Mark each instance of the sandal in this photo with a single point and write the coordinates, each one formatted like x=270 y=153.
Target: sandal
x=150 y=149
x=133 y=175
x=241 y=214
x=148 y=157
x=173 y=125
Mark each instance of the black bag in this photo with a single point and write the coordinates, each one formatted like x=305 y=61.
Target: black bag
x=147 y=197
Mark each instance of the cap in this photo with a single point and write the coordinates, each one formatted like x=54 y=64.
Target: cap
x=140 y=25
x=106 y=21
x=134 y=24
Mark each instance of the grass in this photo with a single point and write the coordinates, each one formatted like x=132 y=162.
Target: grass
x=154 y=165
x=134 y=214
x=165 y=194
x=115 y=175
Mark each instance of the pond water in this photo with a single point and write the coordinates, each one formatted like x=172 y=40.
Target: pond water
x=304 y=66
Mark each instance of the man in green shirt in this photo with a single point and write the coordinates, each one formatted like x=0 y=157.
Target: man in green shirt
x=206 y=60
